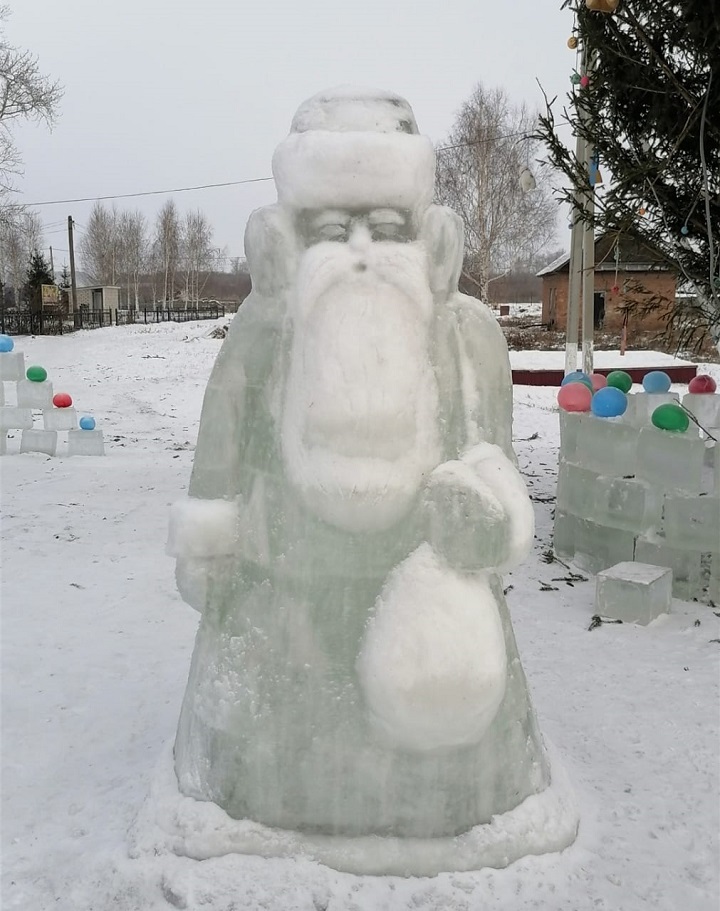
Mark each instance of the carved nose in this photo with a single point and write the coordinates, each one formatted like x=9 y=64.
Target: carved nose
x=360 y=238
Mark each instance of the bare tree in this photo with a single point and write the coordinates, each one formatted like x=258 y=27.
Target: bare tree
x=25 y=94
x=197 y=252
x=478 y=175
x=167 y=247
x=133 y=246
x=99 y=247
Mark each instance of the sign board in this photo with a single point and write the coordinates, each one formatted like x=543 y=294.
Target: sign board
x=50 y=295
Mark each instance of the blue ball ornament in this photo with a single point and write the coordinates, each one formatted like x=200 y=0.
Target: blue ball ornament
x=609 y=402
x=656 y=381
x=684 y=231
x=87 y=423
x=6 y=343
x=577 y=376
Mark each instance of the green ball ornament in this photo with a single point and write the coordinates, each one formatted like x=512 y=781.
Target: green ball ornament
x=670 y=417
x=620 y=380
x=36 y=374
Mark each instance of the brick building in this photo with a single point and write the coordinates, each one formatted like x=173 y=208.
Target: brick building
x=633 y=264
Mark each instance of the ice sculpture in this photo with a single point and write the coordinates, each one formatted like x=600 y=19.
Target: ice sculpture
x=353 y=500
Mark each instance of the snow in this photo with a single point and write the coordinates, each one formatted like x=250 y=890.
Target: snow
x=97 y=644
x=355 y=148
x=638 y=573
x=604 y=360
x=203 y=831
x=202 y=528
x=427 y=684
x=361 y=410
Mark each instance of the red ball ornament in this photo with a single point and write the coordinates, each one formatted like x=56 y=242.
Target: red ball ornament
x=574 y=397
x=615 y=289
x=584 y=82
x=62 y=400
x=701 y=384
x=598 y=381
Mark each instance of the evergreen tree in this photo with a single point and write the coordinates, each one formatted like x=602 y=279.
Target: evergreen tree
x=64 y=284
x=651 y=112
x=38 y=273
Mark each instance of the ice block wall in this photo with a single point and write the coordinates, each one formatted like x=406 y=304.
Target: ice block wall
x=26 y=396
x=629 y=491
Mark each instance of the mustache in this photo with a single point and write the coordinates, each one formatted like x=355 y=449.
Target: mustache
x=327 y=264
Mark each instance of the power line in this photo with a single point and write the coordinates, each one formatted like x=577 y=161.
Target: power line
x=235 y=183
x=475 y=142
x=207 y=186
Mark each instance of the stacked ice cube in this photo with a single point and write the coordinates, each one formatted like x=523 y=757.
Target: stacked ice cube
x=630 y=491
x=25 y=395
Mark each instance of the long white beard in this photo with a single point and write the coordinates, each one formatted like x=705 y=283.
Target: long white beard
x=359 y=425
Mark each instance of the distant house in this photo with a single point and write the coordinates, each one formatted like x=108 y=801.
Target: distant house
x=103 y=297
x=91 y=295
x=617 y=277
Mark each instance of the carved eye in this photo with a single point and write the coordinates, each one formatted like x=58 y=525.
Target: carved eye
x=385 y=230
x=332 y=232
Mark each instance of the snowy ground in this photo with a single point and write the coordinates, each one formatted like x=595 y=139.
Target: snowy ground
x=97 y=644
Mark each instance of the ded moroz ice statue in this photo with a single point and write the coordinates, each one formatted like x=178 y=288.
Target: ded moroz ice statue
x=353 y=501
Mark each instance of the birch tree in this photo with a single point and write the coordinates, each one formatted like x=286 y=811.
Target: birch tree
x=99 y=247
x=478 y=175
x=167 y=247
x=197 y=252
x=133 y=243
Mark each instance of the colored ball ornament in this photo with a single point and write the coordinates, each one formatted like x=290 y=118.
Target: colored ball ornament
x=572 y=42
x=684 y=230
x=584 y=82
x=701 y=384
x=87 y=423
x=575 y=78
x=62 y=400
x=576 y=376
x=609 y=402
x=6 y=343
x=656 y=381
x=670 y=417
x=36 y=374
x=642 y=210
x=620 y=380
x=574 y=397
x=598 y=381
x=615 y=289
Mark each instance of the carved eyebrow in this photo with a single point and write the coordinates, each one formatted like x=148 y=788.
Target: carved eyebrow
x=386 y=216
x=330 y=217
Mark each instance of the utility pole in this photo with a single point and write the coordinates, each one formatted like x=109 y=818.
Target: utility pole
x=73 y=285
x=52 y=265
x=581 y=285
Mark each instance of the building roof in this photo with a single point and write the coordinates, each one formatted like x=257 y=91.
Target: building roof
x=555 y=265
x=633 y=256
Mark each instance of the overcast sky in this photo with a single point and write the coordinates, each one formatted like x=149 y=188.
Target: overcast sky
x=162 y=94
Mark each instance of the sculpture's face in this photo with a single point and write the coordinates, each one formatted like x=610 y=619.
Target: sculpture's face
x=360 y=417
x=340 y=225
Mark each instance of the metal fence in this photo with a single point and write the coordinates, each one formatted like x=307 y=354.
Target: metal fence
x=42 y=322
x=130 y=317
